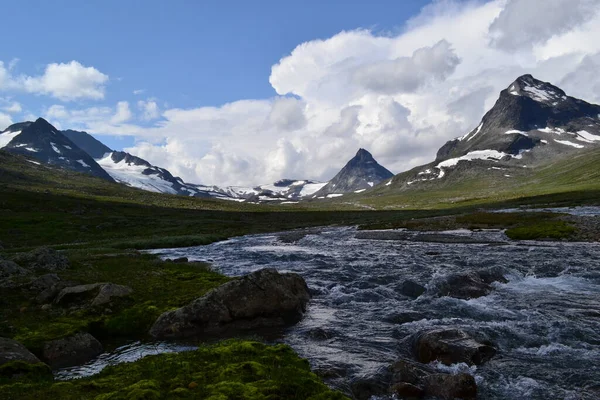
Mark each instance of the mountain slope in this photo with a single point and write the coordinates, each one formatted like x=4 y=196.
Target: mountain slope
x=87 y=143
x=362 y=172
x=43 y=142
x=532 y=123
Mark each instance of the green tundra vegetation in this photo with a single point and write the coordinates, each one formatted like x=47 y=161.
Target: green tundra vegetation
x=101 y=226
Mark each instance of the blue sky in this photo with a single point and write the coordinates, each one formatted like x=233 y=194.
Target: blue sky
x=184 y=53
x=238 y=92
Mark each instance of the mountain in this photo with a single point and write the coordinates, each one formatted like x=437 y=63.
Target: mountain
x=532 y=124
x=362 y=172
x=43 y=142
x=87 y=143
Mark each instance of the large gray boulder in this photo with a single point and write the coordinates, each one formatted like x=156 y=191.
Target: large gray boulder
x=43 y=258
x=91 y=295
x=450 y=346
x=10 y=270
x=72 y=350
x=262 y=299
x=11 y=350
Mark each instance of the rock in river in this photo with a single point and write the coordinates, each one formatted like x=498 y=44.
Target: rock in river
x=72 y=350
x=262 y=299
x=451 y=346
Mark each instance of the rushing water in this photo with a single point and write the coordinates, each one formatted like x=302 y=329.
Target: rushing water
x=545 y=322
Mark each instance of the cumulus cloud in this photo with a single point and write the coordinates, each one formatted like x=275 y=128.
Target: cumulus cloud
x=5 y=121
x=524 y=23
x=400 y=96
x=407 y=74
x=122 y=114
x=287 y=114
x=149 y=109
x=64 y=81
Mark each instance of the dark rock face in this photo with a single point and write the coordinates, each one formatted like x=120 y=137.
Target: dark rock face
x=450 y=346
x=91 y=295
x=262 y=299
x=72 y=350
x=414 y=381
x=87 y=143
x=43 y=258
x=411 y=289
x=470 y=285
x=527 y=104
x=43 y=142
x=361 y=172
x=11 y=350
x=446 y=386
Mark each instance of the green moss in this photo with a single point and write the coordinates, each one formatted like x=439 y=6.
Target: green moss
x=542 y=230
x=227 y=370
x=19 y=371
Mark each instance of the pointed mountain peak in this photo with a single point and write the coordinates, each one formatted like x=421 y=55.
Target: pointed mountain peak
x=540 y=91
x=363 y=155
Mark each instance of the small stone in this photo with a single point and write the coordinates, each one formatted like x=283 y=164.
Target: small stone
x=180 y=260
x=192 y=385
x=46 y=307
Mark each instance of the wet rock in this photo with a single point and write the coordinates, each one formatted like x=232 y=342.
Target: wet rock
x=493 y=274
x=447 y=386
x=262 y=299
x=180 y=260
x=320 y=334
x=330 y=372
x=94 y=294
x=11 y=350
x=451 y=346
x=42 y=258
x=467 y=285
x=72 y=350
x=363 y=388
x=404 y=317
x=411 y=289
x=411 y=380
x=407 y=391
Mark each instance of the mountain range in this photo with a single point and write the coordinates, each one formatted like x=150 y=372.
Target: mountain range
x=532 y=124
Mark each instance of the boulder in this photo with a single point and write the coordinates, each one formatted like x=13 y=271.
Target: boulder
x=467 y=285
x=366 y=387
x=262 y=299
x=43 y=258
x=93 y=294
x=8 y=271
x=11 y=350
x=411 y=289
x=407 y=391
x=44 y=282
x=72 y=350
x=411 y=380
x=450 y=346
x=447 y=386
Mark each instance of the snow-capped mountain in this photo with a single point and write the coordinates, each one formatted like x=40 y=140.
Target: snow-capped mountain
x=362 y=172
x=43 y=142
x=531 y=123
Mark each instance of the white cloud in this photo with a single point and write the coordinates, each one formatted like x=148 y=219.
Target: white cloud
x=149 y=109
x=524 y=23
x=5 y=121
x=70 y=81
x=122 y=114
x=399 y=96
x=138 y=91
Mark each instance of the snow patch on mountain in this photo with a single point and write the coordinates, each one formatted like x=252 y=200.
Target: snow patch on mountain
x=133 y=175
x=567 y=143
x=6 y=137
